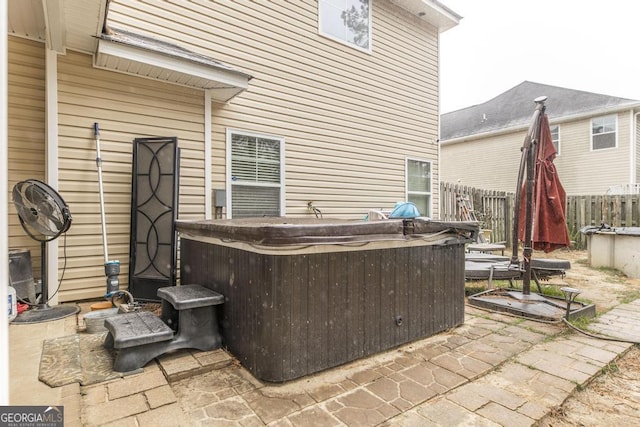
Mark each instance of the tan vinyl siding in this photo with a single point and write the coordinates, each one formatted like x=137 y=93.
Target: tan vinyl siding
x=637 y=141
x=26 y=131
x=586 y=171
x=349 y=118
x=126 y=107
x=490 y=163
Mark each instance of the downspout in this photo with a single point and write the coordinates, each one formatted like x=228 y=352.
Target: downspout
x=51 y=156
x=634 y=148
x=438 y=153
x=4 y=220
x=207 y=154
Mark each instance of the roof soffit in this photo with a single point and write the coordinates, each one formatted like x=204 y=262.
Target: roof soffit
x=134 y=54
x=431 y=11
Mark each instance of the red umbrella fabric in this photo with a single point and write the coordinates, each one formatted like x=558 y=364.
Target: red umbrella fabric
x=549 y=213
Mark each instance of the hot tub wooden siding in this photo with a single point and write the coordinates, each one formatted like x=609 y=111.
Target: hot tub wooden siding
x=290 y=315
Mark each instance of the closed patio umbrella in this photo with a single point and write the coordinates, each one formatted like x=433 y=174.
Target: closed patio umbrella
x=549 y=231
x=541 y=200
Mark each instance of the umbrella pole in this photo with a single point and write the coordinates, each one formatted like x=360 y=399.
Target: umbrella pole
x=528 y=230
x=524 y=159
x=529 y=195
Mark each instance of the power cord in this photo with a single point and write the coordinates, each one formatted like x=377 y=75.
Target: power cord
x=64 y=269
x=566 y=322
x=600 y=337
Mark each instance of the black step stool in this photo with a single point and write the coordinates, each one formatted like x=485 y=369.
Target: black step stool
x=142 y=336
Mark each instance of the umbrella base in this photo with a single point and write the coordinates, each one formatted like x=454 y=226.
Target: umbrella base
x=531 y=306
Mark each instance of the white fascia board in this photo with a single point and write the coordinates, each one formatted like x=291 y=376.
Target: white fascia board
x=218 y=76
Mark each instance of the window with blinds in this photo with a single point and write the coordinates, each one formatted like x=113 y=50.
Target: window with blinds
x=418 y=182
x=256 y=175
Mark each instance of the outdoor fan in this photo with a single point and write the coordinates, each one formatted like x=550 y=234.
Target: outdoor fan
x=44 y=215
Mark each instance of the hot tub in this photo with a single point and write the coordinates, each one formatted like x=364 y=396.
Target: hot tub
x=302 y=296
x=615 y=247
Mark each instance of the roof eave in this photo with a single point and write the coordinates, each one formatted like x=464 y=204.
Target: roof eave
x=557 y=120
x=431 y=11
x=223 y=83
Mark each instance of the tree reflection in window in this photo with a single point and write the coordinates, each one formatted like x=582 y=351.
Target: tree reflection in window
x=357 y=22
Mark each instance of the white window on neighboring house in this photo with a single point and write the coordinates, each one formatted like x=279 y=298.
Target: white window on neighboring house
x=555 y=138
x=418 y=182
x=348 y=21
x=603 y=132
x=255 y=175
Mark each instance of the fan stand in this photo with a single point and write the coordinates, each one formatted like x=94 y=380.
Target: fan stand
x=43 y=312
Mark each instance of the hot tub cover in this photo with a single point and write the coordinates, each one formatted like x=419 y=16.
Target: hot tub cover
x=288 y=231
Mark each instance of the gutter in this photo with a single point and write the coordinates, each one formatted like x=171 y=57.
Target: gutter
x=51 y=156
x=634 y=148
x=555 y=121
x=207 y=154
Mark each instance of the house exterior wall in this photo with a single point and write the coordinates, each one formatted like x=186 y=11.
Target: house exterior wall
x=586 y=171
x=492 y=163
x=349 y=118
x=125 y=107
x=636 y=119
x=26 y=130
x=488 y=163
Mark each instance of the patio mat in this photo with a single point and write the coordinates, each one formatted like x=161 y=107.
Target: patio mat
x=77 y=358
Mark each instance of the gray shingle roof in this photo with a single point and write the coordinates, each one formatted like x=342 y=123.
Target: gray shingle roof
x=514 y=108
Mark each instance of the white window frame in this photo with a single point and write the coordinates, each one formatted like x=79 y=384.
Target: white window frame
x=615 y=116
x=407 y=191
x=230 y=182
x=557 y=144
x=344 y=41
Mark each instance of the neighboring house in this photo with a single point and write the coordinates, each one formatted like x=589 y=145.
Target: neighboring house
x=332 y=103
x=597 y=138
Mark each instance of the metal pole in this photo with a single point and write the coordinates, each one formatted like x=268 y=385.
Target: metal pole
x=96 y=132
x=111 y=268
x=526 y=149
x=530 y=187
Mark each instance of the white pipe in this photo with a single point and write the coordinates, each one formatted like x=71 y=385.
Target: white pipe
x=4 y=221
x=438 y=161
x=207 y=154
x=634 y=148
x=51 y=90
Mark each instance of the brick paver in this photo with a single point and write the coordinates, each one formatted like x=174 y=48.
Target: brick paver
x=493 y=370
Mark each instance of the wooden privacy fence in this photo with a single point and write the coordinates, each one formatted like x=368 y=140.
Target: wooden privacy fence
x=494 y=210
x=615 y=210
